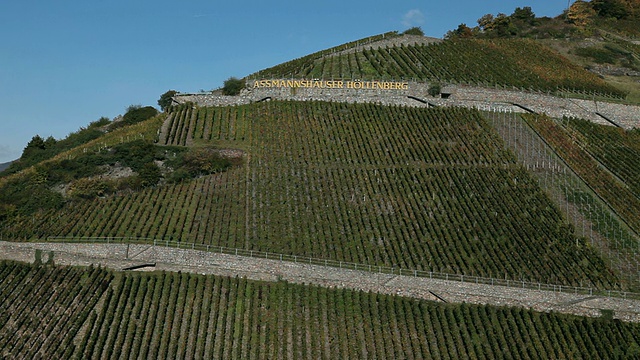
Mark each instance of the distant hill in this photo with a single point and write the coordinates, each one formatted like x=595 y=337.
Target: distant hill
x=5 y=165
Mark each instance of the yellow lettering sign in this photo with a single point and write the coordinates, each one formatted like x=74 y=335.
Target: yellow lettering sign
x=330 y=84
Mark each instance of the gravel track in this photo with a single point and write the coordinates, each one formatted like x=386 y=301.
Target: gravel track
x=120 y=256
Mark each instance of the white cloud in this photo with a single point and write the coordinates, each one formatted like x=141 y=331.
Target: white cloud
x=412 y=18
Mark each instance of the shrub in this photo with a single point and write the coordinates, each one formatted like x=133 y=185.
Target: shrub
x=416 y=30
x=135 y=154
x=233 y=86
x=87 y=188
x=600 y=56
x=435 y=89
x=149 y=175
x=100 y=122
x=202 y=161
x=166 y=99
x=134 y=115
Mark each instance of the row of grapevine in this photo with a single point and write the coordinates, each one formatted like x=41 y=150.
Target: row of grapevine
x=179 y=315
x=615 y=148
x=381 y=206
x=189 y=125
x=498 y=62
x=292 y=67
x=426 y=189
x=205 y=210
x=43 y=309
x=591 y=217
x=618 y=195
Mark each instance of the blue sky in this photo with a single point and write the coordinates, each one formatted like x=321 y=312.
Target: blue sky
x=66 y=63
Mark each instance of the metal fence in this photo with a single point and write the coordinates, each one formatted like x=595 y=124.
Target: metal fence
x=351 y=266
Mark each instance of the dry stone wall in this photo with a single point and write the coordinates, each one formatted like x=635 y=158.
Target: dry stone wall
x=120 y=256
x=626 y=116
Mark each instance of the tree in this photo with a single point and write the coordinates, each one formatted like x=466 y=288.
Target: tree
x=633 y=8
x=166 y=99
x=37 y=142
x=149 y=175
x=580 y=13
x=463 y=31
x=416 y=30
x=502 y=26
x=610 y=8
x=485 y=22
x=524 y=14
x=34 y=149
x=233 y=86
x=435 y=89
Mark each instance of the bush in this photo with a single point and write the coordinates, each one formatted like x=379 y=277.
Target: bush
x=416 y=30
x=196 y=162
x=166 y=99
x=435 y=89
x=598 y=55
x=100 y=122
x=149 y=175
x=233 y=86
x=87 y=188
x=134 y=115
x=179 y=175
x=134 y=154
x=204 y=161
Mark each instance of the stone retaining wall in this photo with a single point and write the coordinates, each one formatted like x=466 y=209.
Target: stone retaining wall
x=627 y=116
x=119 y=256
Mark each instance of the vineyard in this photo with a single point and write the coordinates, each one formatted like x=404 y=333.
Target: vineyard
x=456 y=192
x=424 y=189
x=508 y=63
x=616 y=149
x=43 y=308
x=95 y=313
x=572 y=185
x=616 y=190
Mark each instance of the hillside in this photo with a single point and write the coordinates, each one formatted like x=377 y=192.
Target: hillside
x=519 y=63
x=197 y=316
x=502 y=179
x=344 y=186
x=349 y=148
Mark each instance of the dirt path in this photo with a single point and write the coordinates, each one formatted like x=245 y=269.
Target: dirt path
x=119 y=256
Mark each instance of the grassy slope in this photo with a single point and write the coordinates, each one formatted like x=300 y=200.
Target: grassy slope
x=628 y=84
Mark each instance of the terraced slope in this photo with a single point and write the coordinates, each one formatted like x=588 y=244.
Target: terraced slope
x=427 y=189
x=618 y=150
x=174 y=315
x=500 y=62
